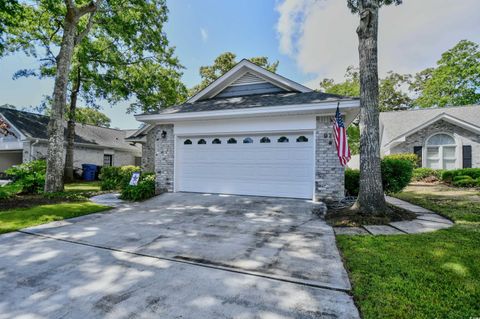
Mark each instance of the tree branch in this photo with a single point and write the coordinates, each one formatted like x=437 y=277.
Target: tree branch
x=80 y=36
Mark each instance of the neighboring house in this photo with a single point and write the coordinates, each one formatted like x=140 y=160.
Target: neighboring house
x=443 y=138
x=93 y=144
x=250 y=132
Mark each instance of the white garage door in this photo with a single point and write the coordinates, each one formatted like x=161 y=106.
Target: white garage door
x=266 y=165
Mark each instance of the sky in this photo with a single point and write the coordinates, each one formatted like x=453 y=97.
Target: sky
x=312 y=40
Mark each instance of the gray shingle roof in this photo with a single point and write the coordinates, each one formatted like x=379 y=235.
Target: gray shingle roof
x=35 y=126
x=398 y=123
x=252 y=101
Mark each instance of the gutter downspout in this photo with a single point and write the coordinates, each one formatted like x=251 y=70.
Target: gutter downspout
x=31 y=148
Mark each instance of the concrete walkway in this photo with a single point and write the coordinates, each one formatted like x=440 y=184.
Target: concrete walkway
x=426 y=221
x=110 y=199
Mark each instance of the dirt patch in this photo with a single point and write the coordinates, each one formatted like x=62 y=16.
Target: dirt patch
x=350 y=217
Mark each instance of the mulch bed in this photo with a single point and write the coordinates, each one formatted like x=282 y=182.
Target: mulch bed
x=350 y=217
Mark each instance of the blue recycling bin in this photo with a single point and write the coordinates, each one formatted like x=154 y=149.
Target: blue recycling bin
x=89 y=171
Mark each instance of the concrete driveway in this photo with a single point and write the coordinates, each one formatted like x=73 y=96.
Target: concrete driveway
x=178 y=256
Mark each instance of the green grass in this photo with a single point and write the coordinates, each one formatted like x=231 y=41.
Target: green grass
x=16 y=219
x=432 y=275
x=83 y=187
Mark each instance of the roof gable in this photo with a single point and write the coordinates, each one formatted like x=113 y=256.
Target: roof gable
x=247 y=78
x=400 y=124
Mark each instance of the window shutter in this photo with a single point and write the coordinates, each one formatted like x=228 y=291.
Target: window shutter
x=417 y=150
x=467 y=156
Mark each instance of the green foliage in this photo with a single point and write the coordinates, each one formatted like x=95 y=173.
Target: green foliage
x=9 y=190
x=352 y=181
x=116 y=177
x=88 y=115
x=392 y=93
x=455 y=80
x=448 y=176
x=125 y=56
x=465 y=181
x=10 y=14
x=67 y=196
x=223 y=63
x=422 y=173
x=353 y=135
x=30 y=176
x=143 y=190
x=412 y=158
x=396 y=174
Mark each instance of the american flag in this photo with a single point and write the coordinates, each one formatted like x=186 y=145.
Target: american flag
x=341 y=141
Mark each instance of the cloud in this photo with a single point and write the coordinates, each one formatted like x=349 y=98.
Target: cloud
x=204 y=34
x=321 y=34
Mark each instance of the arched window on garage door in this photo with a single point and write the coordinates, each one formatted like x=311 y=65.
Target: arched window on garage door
x=247 y=140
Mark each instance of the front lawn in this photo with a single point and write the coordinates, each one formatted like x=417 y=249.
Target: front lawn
x=432 y=275
x=15 y=219
x=80 y=187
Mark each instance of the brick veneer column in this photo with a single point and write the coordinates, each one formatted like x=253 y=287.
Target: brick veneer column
x=164 y=158
x=329 y=174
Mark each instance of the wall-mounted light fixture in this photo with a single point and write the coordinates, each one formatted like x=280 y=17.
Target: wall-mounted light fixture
x=164 y=134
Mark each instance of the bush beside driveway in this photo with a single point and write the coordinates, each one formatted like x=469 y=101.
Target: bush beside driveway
x=432 y=275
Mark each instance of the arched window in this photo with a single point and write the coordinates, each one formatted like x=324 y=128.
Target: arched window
x=247 y=140
x=187 y=142
x=282 y=139
x=265 y=140
x=232 y=141
x=302 y=139
x=202 y=141
x=216 y=141
x=441 y=152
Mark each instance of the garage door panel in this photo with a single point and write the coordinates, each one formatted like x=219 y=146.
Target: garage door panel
x=265 y=169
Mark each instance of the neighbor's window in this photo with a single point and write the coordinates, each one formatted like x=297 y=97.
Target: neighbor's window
x=187 y=142
x=247 y=140
x=302 y=139
x=216 y=141
x=283 y=139
x=202 y=141
x=107 y=160
x=441 y=152
x=232 y=141
x=265 y=140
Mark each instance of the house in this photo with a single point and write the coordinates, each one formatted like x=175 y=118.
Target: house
x=93 y=144
x=443 y=138
x=250 y=132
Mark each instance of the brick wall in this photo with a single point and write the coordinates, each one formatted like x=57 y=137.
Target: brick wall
x=464 y=136
x=329 y=174
x=148 y=151
x=164 y=158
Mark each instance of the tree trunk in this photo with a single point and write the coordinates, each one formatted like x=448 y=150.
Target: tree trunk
x=371 y=199
x=71 y=128
x=56 y=138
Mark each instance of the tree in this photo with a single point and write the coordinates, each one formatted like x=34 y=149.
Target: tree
x=124 y=56
x=10 y=14
x=349 y=87
x=392 y=95
x=371 y=199
x=222 y=64
x=88 y=115
x=456 y=79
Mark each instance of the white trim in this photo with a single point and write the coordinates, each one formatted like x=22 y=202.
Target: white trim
x=442 y=116
x=246 y=112
x=244 y=66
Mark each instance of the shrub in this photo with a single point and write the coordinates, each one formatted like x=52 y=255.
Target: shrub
x=422 y=173
x=467 y=181
x=462 y=177
x=9 y=190
x=143 y=190
x=412 y=158
x=396 y=174
x=447 y=176
x=352 y=181
x=116 y=177
x=30 y=176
